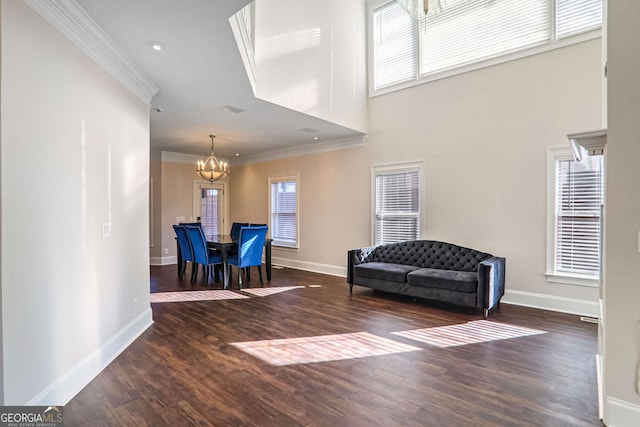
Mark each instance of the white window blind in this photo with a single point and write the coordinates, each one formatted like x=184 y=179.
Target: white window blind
x=395 y=45
x=470 y=31
x=579 y=197
x=466 y=32
x=397 y=206
x=577 y=16
x=284 y=212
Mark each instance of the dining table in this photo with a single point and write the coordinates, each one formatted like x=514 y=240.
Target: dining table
x=225 y=244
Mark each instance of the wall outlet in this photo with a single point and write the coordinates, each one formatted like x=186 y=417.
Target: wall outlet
x=106 y=229
x=166 y=251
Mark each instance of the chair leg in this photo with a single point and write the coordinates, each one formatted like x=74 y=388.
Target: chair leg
x=248 y=271
x=260 y=273
x=194 y=272
x=240 y=278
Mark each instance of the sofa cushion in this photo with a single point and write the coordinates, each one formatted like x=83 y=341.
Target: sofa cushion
x=461 y=281
x=384 y=271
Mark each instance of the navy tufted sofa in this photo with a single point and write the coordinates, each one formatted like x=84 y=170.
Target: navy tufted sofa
x=432 y=270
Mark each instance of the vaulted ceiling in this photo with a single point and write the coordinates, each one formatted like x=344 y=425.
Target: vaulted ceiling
x=202 y=80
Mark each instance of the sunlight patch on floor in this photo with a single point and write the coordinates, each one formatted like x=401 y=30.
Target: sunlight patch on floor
x=185 y=296
x=322 y=348
x=263 y=292
x=467 y=333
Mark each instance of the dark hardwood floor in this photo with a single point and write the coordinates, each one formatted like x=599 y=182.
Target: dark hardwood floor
x=185 y=369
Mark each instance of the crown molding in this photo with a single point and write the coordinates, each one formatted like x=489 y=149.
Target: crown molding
x=281 y=153
x=173 y=157
x=301 y=150
x=75 y=24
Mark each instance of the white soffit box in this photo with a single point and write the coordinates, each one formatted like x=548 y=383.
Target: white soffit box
x=591 y=143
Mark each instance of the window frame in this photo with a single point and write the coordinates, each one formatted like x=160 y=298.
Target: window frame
x=399 y=167
x=276 y=180
x=554 y=43
x=554 y=155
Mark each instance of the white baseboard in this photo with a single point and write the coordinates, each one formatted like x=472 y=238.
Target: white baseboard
x=163 y=260
x=331 y=270
x=551 y=302
x=61 y=391
x=619 y=413
x=527 y=299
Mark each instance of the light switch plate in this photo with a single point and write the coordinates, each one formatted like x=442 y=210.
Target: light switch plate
x=106 y=229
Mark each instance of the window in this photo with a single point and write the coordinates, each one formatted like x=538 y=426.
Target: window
x=397 y=203
x=575 y=223
x=466 y=32
x=284 y=211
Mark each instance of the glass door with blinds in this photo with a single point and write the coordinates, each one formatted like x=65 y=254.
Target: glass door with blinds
x=208 y=207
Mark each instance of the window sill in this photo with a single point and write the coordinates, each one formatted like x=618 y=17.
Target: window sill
x=571 y=279
x=281 y=246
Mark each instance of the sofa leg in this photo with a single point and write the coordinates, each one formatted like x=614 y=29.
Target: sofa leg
x=350 y=288
x=485 y=313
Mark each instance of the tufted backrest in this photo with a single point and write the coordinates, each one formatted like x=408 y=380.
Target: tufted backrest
x=429 y=254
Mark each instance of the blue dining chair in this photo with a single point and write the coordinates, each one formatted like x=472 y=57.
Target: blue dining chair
x=235 y=229
x=250 y=246
x=201 y=253
x=186 y=252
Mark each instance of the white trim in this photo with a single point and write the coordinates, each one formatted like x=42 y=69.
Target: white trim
x=331 y=270
x=568 y=279
x=173 y=157
x=274 y=180
x=245 y=48
x=217 y=185
x=278 y=153
x=403 y=167
x=514 y=56
x=151 y=210
x=301 y=150
x=62 y=390
x=551 y=302
x=77 y=26
x=620 y=413
x=556 y=154
x=163 y=260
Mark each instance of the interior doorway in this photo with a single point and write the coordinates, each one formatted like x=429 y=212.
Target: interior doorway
x=208 y=207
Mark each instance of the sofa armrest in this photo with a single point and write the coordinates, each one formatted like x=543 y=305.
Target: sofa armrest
x=355 y=257
x=490 y=282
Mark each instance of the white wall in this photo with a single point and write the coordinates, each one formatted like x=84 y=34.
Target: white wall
x=483 y=137
x=75 y=155
x=310 y=57
x=622 y=218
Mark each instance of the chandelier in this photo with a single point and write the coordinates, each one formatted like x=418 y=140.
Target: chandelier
x=419 y=8
x=212 y=169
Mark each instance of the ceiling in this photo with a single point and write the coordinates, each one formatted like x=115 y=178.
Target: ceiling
x=200 y=73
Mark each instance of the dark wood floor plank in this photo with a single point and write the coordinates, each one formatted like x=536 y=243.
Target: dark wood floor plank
x=186 y=370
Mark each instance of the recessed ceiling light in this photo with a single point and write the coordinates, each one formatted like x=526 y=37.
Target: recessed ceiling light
x=158 y=46
x=237 y=154
x=315 y=138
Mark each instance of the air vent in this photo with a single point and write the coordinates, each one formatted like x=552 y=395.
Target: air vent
x=232 y=109
x=310 y=130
